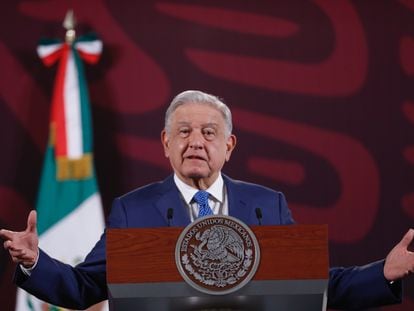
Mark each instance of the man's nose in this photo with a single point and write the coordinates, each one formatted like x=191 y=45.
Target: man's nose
x=196 y=140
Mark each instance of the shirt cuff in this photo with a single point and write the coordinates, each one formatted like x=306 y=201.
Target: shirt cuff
x=28 y=271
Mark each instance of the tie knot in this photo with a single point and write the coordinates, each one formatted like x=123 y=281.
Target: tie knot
x=201 y=197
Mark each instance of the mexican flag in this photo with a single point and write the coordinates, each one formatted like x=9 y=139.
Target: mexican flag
x=70 y=215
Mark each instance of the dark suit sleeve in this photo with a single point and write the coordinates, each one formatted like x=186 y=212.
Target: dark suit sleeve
x=63 y=285
x=356 y=288
x=284 y=211
x=72 y=287
x=118 y=218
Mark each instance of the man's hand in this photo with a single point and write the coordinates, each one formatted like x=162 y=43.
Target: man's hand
x=400 y=261
x=23 y=245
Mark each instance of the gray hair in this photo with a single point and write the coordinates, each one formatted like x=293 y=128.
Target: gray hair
x=198 y=97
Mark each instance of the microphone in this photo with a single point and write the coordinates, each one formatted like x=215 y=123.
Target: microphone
x=170 y=213
x=259 y=215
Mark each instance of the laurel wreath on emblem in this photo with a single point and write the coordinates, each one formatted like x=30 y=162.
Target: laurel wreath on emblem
x=220 y=259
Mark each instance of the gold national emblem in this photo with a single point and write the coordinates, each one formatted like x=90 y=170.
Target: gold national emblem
x=217 y=254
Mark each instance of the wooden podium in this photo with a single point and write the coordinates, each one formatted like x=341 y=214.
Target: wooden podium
x=292 y=274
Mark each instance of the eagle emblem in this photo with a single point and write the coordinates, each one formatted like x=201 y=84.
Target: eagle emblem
x=217 y=254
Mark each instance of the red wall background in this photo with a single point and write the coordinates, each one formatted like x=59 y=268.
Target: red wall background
x=322 y=94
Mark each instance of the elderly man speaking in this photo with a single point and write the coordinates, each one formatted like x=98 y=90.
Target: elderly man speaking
x=198 y=140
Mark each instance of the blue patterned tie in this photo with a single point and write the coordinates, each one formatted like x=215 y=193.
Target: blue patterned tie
x=201 y=197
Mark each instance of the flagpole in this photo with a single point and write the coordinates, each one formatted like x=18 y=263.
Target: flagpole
x=69 y=24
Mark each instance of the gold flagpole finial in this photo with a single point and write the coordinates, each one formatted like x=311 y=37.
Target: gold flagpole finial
x=69 y=24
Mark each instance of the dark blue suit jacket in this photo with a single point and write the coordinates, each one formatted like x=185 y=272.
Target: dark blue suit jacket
x=81 y=286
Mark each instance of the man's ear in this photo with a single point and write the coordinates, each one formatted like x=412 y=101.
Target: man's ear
x=165 y=143
x=231 y=144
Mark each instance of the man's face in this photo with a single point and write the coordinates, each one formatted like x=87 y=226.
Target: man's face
x=197 y=145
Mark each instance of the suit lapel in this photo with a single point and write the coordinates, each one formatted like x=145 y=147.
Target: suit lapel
x=238 y=202
x=170 y=198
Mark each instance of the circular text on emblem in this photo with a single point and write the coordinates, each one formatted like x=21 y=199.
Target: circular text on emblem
x=217 y=254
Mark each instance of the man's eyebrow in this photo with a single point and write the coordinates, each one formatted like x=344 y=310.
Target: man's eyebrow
x=183 y=123
x=210 y=124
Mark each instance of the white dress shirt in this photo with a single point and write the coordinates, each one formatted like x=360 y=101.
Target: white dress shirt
x=217 y=199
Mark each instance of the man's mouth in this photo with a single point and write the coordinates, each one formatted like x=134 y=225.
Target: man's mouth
x=195 y=157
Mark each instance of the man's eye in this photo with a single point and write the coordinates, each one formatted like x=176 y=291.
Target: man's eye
x=184 y=132
x=209 y=133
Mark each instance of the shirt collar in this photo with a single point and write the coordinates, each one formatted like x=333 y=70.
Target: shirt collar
x=215 y=190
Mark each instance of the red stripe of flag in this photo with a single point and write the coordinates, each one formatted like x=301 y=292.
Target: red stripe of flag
x=58 y=110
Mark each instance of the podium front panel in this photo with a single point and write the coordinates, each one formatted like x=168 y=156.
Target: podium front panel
x=292 y=274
